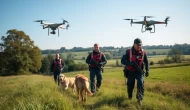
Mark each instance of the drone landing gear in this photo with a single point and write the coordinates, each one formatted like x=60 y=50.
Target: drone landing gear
x=151 y=29
x=53 y=32
x=148 y=29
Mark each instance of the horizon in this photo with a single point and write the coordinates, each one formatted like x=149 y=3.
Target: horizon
x=97 y=22
x=119 y=47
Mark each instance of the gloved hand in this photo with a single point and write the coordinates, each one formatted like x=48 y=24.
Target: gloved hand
x=100 y=64
x=61 y=69
x=147 y=73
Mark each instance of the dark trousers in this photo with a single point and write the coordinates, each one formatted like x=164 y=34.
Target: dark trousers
x=98 y=74
x=131 y=82
x=56 y=76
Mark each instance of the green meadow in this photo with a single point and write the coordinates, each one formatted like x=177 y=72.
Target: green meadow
x=165 y=89
x=155 y=59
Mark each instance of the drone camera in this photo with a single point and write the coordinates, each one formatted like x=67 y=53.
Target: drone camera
x=149 y=29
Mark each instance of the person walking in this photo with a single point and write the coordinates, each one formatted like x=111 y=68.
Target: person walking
x=57 y=66
x=96 y=60
x=135 y=59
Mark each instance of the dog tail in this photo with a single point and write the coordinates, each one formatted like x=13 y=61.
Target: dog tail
x=87 y=90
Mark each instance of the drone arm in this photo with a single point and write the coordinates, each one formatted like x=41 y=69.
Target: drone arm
x=138 y=22
x=142 y=28
x=48 y=31
x=154 y=29
x=58 y=31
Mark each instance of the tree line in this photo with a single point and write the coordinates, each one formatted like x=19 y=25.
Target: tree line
x=184 y=48
x=21 y=56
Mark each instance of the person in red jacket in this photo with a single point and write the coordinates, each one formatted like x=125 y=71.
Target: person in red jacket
x=57 y=66
x=96 y=60
x=135 y=56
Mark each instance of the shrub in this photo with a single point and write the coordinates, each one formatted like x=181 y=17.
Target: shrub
x=151 y=63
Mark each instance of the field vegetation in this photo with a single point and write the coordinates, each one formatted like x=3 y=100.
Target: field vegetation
x=165 y=89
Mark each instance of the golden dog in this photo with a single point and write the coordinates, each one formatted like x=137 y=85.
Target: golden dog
x=82 y=85
x=67 y=82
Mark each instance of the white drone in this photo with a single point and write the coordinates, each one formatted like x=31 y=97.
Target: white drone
x=54 y=26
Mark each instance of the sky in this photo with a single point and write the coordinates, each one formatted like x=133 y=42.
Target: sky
x=97 y=21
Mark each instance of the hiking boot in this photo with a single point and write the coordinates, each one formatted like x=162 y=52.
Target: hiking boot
x=139 y=102
x=97 y=88
x=130 y=98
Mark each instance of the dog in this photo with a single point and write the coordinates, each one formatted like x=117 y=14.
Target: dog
x=67 y=82
x=82 y=86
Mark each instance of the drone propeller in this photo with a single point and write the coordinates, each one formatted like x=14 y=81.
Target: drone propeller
x=41 y=21
x=131 y=20
x=64 y=21
x=166 y=20
x=148 y=16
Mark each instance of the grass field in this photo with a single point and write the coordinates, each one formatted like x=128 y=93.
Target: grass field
x=155 y=59
x=165 y=89
x=158 y=51
x=80 y=55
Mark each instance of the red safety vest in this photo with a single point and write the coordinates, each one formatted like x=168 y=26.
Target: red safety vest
x=137 y=58
x=97 y=58
x=57 y=64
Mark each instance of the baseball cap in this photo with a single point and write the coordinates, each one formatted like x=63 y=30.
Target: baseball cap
x=138 y=41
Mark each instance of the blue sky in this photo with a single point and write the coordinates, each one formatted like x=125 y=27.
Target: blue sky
x=97 y=21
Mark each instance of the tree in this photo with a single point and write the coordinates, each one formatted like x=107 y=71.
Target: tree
x=45 y=68
x=108 y=55
x=46 y=63
x=153 y=53
x=151 y=63
x=175 y=55
x=70 y=56
x=62 y=49
x=21 y=55
x=117 y=62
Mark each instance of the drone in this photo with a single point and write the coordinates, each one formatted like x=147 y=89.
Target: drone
x=146 y=24
x=53 y=26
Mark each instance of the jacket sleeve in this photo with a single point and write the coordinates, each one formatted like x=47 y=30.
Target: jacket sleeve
x=125 y=58
x=104 y=60
x=88 y=59
x=146 y=62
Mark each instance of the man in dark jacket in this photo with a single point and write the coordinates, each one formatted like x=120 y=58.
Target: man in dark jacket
x=135 y=59
x=96 y=61
x=57 y=67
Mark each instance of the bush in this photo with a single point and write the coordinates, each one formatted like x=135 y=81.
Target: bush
x=161 y=62
x=168 y=61
x=151 y=63
x=83 y=58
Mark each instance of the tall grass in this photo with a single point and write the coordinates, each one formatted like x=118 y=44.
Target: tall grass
x=165 y=89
